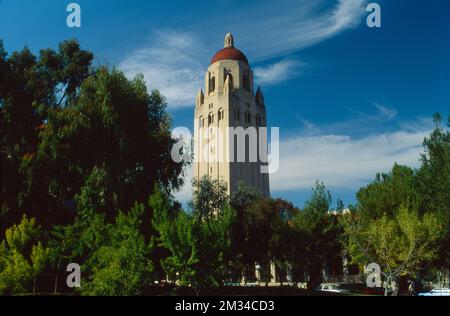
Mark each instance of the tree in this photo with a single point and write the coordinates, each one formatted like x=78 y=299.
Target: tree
x=423 y=193
x=243 y=263
x=400 y=245
x=29 y=88
x=433 y=184
x=199 y=243
x=125 y=131
x=78 y=241
x=122 y=266
x=266 y=235
x=60 y=118
x=175 y=235
x=22 y=257
x=317 y=234
x=209 y=196
x=79 y=144
x=115 y=256
x=387 y=192
x=165 y=212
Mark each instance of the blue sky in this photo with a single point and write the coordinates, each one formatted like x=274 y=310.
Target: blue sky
x=349 y=100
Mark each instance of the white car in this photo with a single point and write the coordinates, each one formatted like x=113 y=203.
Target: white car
x=437 y=292
x=329 y=288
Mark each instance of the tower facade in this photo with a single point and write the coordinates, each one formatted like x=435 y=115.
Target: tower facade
x=229 y=123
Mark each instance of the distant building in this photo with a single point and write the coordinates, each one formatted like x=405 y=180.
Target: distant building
x=229 y=101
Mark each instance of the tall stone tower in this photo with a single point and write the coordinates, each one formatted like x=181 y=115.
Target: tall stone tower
x=227 y=105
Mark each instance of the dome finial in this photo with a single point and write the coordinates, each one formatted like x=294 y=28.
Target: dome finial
x=229 y=40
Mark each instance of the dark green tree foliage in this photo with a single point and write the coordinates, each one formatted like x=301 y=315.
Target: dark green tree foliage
x=77 y=145
x=165 y=212
x=29 y=87
x=115 y=256
x=59 y=119
x=433 y=185
x=209 y=196
x=200 y=242
x=266 y=234
x=78 y=241
x=317 y=236
x=388 y=192
x=122 y=265
x=114 y=124
x=433 y=176
x=242 y=250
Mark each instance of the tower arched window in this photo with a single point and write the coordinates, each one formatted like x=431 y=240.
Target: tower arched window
x=201 y=121
x=237 y=114
x=229 y=76
x=246 y=80
x=220 y=114
x=258 y=120
x=248 y=117
x=210 y=118
x=212 y=84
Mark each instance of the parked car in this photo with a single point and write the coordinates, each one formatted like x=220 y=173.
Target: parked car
x=436 y=292
x=376 y=291
x=251 y=284
x=329 y=288
x=232 y=284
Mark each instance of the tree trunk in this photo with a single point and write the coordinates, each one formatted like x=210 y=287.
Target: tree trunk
x=386 y=285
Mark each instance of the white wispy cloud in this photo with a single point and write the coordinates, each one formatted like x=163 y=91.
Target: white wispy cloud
x=278 y=72
x=293 y=25
x=385 y=113
x=171 y=63
x=361 y=123
x=174 y=61
x=308 y=126
x=341 y=161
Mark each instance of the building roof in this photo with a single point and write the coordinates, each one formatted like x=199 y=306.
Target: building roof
x=229 y=52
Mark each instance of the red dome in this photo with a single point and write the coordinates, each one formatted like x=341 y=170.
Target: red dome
x=229 y=53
